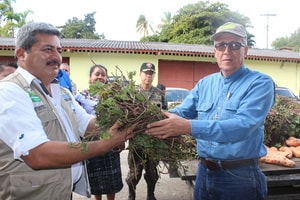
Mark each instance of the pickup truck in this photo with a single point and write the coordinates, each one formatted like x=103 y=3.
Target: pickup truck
x=283 y=182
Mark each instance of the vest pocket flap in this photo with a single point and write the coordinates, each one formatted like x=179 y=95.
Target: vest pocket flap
x=46 y=115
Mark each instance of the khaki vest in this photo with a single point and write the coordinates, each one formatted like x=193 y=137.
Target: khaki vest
x=17 y=179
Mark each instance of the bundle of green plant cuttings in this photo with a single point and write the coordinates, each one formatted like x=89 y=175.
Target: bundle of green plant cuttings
x=122 y=100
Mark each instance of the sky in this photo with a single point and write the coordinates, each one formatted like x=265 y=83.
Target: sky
x=117 y=19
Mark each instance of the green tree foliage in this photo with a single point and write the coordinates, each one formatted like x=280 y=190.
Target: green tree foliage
x=167 y=20
x=77 y=28
x=151 y=38
x=292 y=42
x=9 y=19
x=250 y=37
x=195 y=23
x=143 y=26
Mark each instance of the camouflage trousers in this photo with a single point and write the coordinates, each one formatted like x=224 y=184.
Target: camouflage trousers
x=138 y=162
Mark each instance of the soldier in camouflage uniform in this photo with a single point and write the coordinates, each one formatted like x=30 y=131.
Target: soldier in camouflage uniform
x=138 y=160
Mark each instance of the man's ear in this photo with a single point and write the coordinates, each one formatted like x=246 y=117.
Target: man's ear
x=20 y=53
x=245 y=51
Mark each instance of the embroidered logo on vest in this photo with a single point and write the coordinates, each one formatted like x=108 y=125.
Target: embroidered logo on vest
x=37 y=103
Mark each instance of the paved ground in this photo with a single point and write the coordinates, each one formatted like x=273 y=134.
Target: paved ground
x=166 y=189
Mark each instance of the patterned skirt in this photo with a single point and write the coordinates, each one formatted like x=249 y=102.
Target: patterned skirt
x=105 y=174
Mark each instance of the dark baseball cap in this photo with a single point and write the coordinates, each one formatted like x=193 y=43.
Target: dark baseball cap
x=147 y=67
x=230 y=27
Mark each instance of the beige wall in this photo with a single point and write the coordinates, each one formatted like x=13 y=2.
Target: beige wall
x=80 y=64
x=284 y=74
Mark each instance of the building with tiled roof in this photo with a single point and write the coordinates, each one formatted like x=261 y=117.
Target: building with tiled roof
x=179 y=65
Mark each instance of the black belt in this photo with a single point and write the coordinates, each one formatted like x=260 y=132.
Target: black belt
x=218 y=165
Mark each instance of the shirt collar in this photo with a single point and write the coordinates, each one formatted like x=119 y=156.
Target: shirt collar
x=235 y=75
x=28 y=76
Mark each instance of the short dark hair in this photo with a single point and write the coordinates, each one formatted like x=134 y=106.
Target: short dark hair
x=7 y=64
x=97 y=66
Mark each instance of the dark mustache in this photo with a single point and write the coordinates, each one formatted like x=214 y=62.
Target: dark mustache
x=51 y=62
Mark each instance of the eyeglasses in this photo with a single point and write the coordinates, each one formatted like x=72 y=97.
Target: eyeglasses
x=232 y=46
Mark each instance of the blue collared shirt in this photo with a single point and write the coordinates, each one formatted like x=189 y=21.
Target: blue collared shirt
x=228 y=113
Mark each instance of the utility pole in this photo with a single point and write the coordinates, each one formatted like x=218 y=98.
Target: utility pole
x=267 y=26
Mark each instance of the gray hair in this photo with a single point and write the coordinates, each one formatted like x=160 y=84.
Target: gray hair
x=25 y=38
x=245 y=41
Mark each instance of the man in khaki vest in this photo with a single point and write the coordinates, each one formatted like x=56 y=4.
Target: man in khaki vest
x=41 y=156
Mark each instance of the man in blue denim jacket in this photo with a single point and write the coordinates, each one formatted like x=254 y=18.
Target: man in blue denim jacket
x=225 y=112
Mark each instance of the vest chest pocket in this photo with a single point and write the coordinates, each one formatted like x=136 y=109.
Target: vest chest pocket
x=45 y=114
